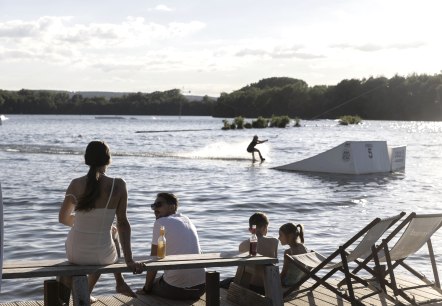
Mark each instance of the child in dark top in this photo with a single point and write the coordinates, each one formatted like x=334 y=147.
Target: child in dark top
x=251 y=148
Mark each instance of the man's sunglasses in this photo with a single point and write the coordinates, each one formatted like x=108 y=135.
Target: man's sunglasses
x=157 y=204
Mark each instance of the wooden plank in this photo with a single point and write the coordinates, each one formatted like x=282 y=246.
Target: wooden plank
x=174 y=262
x=221 y=262
x=109 y=301
x=80 y=291
x=420 y=294
x=119 y=300
x=244 y=296
x=145 y=300
x=157 y=300
x=224 y=301
x=24 y=303
x=272 y=285
x=11 y=264
x=316 y=297
x=320 y=296
x=323 y=296
x=184 y=257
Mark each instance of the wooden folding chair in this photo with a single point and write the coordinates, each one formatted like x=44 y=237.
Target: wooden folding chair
x=311 y=263
x=419 y=230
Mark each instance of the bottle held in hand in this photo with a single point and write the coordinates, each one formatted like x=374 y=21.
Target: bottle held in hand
x=161 y=249
x=253 y=242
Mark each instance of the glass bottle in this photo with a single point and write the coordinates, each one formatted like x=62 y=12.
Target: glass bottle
x=253 y=242
x=161 y=246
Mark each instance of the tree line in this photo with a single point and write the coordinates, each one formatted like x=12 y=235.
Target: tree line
x=170 y=102
x=414 y=97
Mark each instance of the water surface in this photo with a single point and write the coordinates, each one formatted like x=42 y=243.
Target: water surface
x=212 y=174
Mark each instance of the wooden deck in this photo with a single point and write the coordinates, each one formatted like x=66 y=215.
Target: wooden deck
x=320 y=296
x=80 y=294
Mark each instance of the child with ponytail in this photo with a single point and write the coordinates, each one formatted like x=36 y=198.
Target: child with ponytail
x=292 y=235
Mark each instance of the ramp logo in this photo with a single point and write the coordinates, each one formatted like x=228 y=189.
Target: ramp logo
x=346 y=155
x=369 y=147
x=399 y=156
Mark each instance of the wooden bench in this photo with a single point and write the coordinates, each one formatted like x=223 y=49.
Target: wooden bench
x=80 y=294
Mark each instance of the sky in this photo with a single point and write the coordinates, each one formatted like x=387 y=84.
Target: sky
x=212 y=46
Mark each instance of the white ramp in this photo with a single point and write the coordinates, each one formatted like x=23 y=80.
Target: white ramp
x=353 y=157
x=397 y=157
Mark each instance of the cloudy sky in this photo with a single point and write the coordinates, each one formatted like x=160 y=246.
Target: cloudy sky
x=212 y=46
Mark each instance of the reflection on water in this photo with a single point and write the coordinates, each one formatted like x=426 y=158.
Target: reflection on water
x=212 y=174
x=336 y=179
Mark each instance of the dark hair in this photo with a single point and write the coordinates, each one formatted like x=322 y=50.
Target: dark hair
x=296 y=230
x=170 y=198
x=259 y=219
x=97 y=155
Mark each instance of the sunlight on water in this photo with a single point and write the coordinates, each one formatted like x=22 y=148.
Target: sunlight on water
x=419 y=126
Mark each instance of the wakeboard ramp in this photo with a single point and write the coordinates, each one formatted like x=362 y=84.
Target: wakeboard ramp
x=353 y=157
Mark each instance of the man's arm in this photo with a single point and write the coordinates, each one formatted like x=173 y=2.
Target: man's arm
x=150 y=275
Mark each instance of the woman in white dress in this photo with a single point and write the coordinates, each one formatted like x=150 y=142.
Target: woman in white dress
x=89 y=208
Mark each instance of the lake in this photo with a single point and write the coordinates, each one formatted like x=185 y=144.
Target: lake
x=213 y=176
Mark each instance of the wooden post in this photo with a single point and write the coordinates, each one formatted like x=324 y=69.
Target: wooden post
x=347 y=275
x=433 y=263
x=80 y=291
x=51 y=293
x=272 y=285
x=212 y=288
x=64 y=289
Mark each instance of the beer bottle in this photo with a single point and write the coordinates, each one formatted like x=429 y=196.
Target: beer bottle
x=253 y=242
x=161 y=247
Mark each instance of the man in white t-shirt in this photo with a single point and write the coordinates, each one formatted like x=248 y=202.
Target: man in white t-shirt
x=181 y=238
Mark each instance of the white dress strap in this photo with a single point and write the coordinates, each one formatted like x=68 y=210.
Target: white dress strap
x=71 y=195
x=112 y=190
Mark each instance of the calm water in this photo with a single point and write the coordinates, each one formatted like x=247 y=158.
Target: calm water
x=218 y=185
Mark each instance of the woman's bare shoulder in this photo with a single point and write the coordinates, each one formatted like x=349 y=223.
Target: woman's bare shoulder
x=78 y=179
x=78 y=182
x=120 y=182
x=120 y=186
